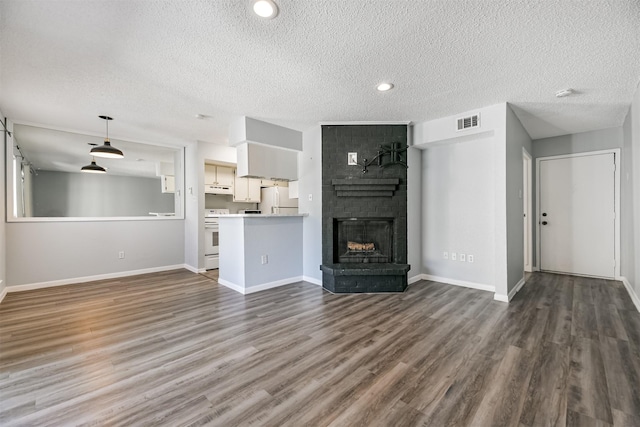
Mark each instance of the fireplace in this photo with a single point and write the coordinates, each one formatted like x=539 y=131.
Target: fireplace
x=363 y=240
x=364 y=208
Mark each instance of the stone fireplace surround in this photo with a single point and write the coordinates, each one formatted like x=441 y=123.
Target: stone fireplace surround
x=355 y=200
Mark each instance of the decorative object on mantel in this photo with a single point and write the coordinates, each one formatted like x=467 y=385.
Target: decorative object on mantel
x=396 y=152
x=106 y=150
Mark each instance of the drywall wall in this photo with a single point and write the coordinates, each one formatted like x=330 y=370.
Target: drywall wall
x=627 y=187
x=310 y=202
x=232 y=258
x=3 y=237
x=464 y=199
x=602 y=139
x=630 y=200
x=517 y=139
x=414 y=211
x=225 y=201
x=64 y=194
x=40 y=252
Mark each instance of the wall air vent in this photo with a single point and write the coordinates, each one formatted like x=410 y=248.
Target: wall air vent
x=470 y=122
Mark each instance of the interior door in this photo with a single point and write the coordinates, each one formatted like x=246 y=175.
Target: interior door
x=577 y=215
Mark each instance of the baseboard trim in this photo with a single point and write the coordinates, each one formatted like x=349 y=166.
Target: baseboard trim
x=62 y=282
x=414 y=279
x=456 y=282
x=631 y=292
x=193 y=269
x=3 y=293
x=501 y=297
x=517 y=288
x=261 y=287
x=312 y=280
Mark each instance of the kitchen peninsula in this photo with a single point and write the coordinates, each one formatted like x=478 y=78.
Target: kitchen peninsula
x=260 y=251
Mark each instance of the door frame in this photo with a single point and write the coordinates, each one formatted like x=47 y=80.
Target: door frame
x=616 y=160
x=527 y=197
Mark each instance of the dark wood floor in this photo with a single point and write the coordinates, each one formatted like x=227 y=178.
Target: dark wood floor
x=178 y=349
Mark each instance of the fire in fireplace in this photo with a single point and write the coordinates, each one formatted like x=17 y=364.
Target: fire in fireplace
x=363 y=240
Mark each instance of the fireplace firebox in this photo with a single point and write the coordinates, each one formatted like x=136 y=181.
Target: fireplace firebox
x=363 y=240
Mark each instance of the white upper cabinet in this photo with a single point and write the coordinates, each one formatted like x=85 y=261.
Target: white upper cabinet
x=218 y=175
x=246 y=190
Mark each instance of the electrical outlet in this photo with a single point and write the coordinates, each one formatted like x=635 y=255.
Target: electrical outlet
x=121 y=255
x=445 y=255
x=462 y=257
x=265 y=259
x=469 y=258
x=453 y=256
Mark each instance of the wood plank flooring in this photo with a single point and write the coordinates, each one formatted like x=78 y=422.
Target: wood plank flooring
x=176 y=348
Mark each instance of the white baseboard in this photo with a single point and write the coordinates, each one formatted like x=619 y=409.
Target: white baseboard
x=512 y=293
x=193 y=269
x=3 y=293
x=457 y=282
x=501 y=297
x=414 y=279
x=631 y=292
x=261 y=287
x=312 y=280
x=62 y=282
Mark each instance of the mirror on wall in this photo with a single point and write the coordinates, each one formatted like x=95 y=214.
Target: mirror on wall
x=45 y=181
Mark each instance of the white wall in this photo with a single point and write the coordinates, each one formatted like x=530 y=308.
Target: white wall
x=517 y=138
x=3 y=236
x=40 y=252
x=310 y=183
x=630 y=199
x=414 y=212
x=464 y=199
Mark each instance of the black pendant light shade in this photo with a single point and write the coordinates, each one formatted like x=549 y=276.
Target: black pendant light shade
x=93 y=168
x=106 y=150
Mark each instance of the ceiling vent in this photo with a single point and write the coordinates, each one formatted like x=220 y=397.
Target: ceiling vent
x=470 y=122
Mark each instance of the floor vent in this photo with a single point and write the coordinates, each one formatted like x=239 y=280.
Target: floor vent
x=470 y=122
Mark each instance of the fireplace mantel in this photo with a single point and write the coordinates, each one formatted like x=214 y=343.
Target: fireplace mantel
x=365 y=187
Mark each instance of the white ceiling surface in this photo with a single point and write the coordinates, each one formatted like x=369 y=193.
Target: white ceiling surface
x=154 y=65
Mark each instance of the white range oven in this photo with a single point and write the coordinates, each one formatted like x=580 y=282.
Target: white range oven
x=211 y=237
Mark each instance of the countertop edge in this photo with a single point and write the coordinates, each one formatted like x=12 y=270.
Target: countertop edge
x=264 y=215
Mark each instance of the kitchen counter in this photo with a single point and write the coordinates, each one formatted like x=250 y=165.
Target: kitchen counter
x=263 y=215
x=260 y=251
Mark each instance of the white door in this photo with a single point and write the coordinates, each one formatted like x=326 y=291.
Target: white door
x=577 y=215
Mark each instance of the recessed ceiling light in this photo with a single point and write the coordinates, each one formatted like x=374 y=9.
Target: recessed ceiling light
x=265 y=8
x=383 y=87
x=564 y=92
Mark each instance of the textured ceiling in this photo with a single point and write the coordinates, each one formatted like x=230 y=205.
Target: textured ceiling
x=154 y=65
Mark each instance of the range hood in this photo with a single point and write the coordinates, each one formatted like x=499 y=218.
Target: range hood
x=264 y=161
x=265 y=150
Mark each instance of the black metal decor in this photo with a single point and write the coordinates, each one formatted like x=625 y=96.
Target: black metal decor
x=390 y=154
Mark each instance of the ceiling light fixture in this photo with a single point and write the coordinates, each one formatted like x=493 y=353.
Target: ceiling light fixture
x=106 y=150
x=564 y=92
x=93 y=167
x=265 y=9
x=383 y=87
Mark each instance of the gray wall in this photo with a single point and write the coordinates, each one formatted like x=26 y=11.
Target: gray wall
x=630 y=198
x=63 y=194
x=517 y=138
x=3 y=239
x=603 y=139
x=51 y=251
x=414 y=212
x=310 y=183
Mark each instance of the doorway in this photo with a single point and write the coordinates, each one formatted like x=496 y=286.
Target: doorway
x=578 y=214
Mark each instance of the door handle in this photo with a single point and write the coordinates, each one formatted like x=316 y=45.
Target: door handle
x=544 y=222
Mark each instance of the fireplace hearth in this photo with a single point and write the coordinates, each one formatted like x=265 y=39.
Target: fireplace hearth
x=364 y=210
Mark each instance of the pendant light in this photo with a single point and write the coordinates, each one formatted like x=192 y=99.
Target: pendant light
x=106 y=150
x=93 y=167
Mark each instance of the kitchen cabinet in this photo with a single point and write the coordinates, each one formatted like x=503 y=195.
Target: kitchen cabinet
x=221 y=176
x=168 y=183
x=273 y=183
x=246 y=190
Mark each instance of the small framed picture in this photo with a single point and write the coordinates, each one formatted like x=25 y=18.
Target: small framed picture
x=352 y=158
